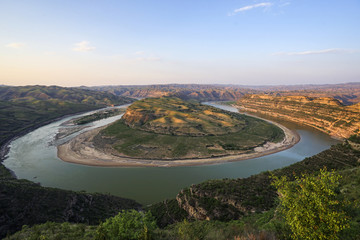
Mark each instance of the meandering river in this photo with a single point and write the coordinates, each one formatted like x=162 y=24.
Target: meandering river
x=34 y=157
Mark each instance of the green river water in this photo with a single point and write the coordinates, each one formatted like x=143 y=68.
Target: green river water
x=34 y=157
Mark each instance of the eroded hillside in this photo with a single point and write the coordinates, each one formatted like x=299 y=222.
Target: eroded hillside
x=325 y=114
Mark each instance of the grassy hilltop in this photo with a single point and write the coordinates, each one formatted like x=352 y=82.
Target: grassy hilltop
x=173 y=116
x=167 y=128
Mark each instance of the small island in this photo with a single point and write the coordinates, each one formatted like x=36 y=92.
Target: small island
x=168 y=131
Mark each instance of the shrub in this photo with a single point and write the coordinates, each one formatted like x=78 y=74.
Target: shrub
x=311 y=205
x=127 y=225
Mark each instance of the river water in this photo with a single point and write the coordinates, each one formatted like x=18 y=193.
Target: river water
x=34 y=157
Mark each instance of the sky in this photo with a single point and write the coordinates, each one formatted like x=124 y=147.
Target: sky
x=127 y=42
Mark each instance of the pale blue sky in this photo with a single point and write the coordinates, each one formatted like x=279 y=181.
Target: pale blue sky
x=78 y=42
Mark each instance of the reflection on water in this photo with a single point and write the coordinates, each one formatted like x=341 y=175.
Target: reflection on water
x=33 y=157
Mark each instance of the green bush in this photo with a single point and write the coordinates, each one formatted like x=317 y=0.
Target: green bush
x=127 y=225
x=354 y=138
x=311 y=205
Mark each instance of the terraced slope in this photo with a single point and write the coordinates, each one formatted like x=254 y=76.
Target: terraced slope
x=325 y=114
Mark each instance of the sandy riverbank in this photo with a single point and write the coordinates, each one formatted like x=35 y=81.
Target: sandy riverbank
x=80 y=150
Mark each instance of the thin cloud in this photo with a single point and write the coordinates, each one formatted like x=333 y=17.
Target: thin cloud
x=249 y=7
x=285 y=4
x=83 y=46
x=317 y=52
x=15 y=45
x=139 y=53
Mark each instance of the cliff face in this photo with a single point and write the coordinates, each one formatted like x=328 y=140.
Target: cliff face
x=227 y=199
x=325 y=114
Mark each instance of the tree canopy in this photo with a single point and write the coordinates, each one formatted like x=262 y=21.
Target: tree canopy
x=311 y=205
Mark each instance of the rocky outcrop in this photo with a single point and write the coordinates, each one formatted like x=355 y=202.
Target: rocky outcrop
x=201 y=205
x=228 y=198
x=325 y=114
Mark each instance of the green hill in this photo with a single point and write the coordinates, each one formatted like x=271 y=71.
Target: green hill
x=173 y=116
x=170 y=128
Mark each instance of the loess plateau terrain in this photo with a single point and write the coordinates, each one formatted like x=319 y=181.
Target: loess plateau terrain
x=170 y=128
x=323 y=113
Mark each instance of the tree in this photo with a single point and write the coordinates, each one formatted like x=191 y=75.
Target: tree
x=311 y=205
x=129 y=224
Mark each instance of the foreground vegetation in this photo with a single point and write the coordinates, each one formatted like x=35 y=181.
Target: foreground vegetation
x=311 y=205
x=169 y=128
x=26 y=203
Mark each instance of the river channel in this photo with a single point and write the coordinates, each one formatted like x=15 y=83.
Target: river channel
x=34 y=157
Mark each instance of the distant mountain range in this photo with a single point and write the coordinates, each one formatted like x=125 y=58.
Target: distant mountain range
x=347 y=93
